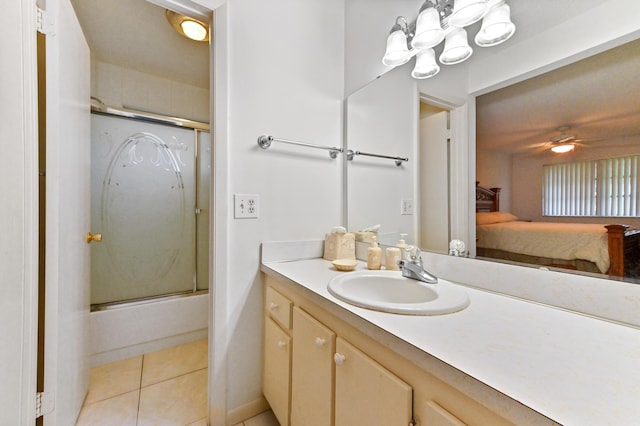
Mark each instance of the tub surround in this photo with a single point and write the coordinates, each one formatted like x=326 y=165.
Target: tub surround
x=128 y=331
x=557 y=365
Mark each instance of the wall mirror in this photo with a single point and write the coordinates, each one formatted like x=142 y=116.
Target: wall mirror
x=589 y=108
x=596 y=103
x=387 y=118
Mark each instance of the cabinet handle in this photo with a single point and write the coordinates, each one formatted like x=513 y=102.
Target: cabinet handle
x=338 y=358
x=320 y=342
x=273 y=306
x=282 y=344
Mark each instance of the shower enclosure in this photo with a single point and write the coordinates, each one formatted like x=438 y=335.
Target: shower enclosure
x=150 y=202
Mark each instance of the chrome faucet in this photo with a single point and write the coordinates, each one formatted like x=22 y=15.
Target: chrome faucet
x=412 y=266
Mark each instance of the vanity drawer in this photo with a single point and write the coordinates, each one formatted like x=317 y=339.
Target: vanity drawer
x=278 y=307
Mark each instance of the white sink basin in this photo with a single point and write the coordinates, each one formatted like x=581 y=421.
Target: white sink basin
x=389 y=291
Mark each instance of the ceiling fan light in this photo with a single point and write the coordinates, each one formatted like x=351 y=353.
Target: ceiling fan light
x=561 y=149
x=429 y=33
x=467 y=12
x=456 y=48
x=397 y=52
x=496 y=27
x=426 y=66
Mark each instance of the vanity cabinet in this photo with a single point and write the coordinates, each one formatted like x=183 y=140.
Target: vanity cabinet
x=313 y=378
x=320 y=369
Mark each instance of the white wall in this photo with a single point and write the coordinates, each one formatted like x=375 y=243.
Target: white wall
x=123 y=87
x=493 y=170
x=284 y=77
x=18 y=214
x=382 y=119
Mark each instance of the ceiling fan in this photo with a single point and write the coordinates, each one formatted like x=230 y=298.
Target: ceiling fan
x=564 y=142
x=561 y=143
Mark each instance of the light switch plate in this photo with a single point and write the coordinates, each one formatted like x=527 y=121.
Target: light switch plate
x=406 y=206
x=246 y=206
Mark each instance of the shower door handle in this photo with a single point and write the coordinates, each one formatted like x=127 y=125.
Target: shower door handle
x=93 y=237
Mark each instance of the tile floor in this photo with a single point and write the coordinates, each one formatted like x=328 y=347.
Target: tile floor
x=167 y=387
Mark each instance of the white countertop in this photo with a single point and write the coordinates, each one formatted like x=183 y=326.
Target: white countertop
x=571 y=368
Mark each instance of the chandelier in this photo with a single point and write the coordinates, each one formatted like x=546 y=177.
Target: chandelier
x=440 y=20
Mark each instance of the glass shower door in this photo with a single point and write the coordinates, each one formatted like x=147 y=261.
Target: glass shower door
x=143 y=203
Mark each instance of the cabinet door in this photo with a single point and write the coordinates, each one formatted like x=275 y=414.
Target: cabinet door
x=277 y=373
x=435 y=415
x=366 y=393
x=312 y=372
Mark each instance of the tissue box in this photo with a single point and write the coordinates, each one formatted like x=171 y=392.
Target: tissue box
x=366 y=236
x=339 y=246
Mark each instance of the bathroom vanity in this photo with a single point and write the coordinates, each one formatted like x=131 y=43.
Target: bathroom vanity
x=499 y=361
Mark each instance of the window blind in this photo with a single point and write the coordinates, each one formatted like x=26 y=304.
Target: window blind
x=617 y=186
x=606 y=187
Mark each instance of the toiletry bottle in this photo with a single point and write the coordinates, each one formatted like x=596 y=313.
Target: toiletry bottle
x=391 y=257
x=402 y=243
x=374 y=255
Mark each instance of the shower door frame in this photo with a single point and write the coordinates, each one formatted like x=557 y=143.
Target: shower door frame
x=98 y=107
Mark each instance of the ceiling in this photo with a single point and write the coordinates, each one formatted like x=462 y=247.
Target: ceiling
x=597 y=97
x=136 y=34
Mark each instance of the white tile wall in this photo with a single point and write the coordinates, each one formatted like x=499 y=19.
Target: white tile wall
x=124 y=87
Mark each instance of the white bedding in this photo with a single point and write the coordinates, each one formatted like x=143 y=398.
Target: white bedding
x=567 y=241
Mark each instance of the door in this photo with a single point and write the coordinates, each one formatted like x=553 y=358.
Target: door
x=66 y=347
x=143 y=191
x=434 y=183
x=311 y=371
x=277 y=372
x=366 y=393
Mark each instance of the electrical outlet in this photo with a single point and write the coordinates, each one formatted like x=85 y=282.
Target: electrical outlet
x=246 y=206
x=406 y=206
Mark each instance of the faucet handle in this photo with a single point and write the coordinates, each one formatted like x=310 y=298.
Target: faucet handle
x=412 y=253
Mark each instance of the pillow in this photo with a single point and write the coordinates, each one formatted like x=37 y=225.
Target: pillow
x=494 y=217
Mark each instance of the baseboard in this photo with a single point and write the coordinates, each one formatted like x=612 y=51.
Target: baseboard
x=246 y=411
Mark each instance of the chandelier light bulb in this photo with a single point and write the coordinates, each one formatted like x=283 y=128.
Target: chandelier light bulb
x=397 y=52
x=429 y=33
x=426 y=65
x=496 y=27
x=456 y=48
x=467 y=12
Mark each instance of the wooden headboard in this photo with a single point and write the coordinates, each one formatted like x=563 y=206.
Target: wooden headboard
x=487 y=200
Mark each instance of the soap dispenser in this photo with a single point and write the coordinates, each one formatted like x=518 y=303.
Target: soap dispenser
x=374 y=255
x=402 y=243
x=392 y=255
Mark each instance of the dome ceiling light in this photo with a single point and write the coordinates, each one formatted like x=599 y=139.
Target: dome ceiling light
x=440 y=20
x=188 y=27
